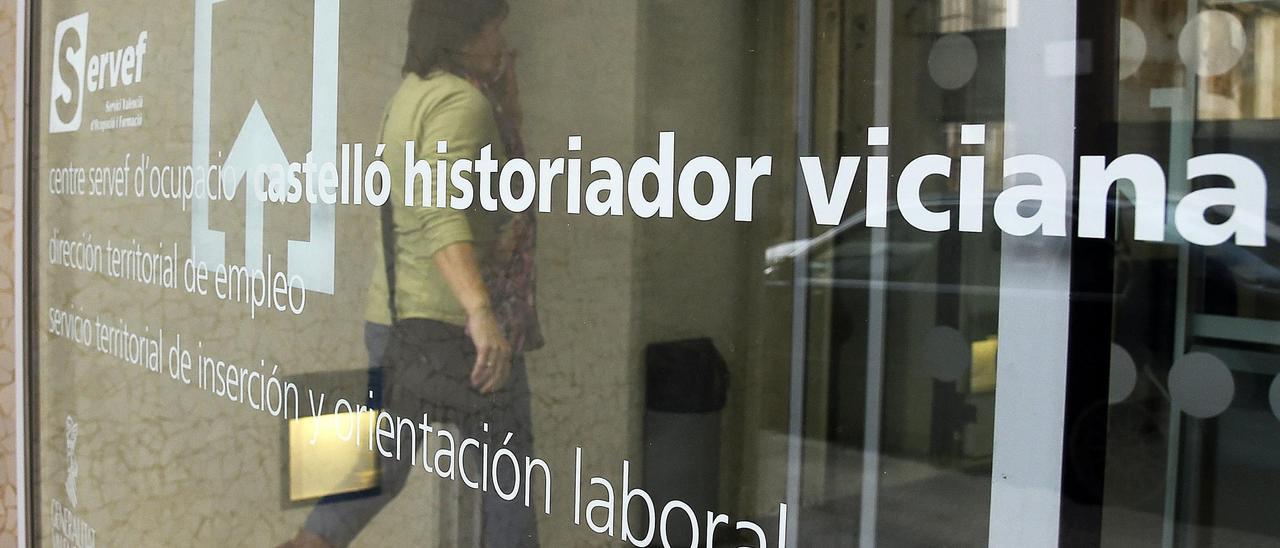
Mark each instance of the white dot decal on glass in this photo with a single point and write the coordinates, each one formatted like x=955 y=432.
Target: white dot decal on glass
x=1124 y=375
x=1133 y=47
x=877 y=136
x=1212 y=42
x=1200 y=385
x=973 y=134
x=1275 y=397
x=946 y=353
x=952 y=61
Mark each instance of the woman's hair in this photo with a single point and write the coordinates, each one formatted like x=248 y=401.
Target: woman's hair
x=440 y=28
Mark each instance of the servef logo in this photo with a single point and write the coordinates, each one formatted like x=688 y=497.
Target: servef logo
x=69 y=53
x=77 y=73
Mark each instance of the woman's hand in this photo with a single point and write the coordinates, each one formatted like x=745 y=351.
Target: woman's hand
x=493 y=353
x=457 y=263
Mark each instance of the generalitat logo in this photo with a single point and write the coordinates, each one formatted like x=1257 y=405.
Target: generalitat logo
x=73 y=468
x=69 y=529
x=77 y=73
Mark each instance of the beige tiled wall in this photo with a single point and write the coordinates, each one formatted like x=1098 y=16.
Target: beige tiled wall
x=8 y=476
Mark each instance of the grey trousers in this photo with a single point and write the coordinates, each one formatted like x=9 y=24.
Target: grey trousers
x=504 y=523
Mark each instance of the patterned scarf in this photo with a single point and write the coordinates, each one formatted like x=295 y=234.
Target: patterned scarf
x=509 y=272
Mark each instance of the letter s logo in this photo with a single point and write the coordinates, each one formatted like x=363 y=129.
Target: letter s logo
x=67 y=88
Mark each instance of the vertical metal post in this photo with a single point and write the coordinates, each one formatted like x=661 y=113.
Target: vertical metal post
x=1093 y=296
x=20 y=219
x=1035 y=285
x=1182 y=115
x=800 y=268
x=876 y=299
